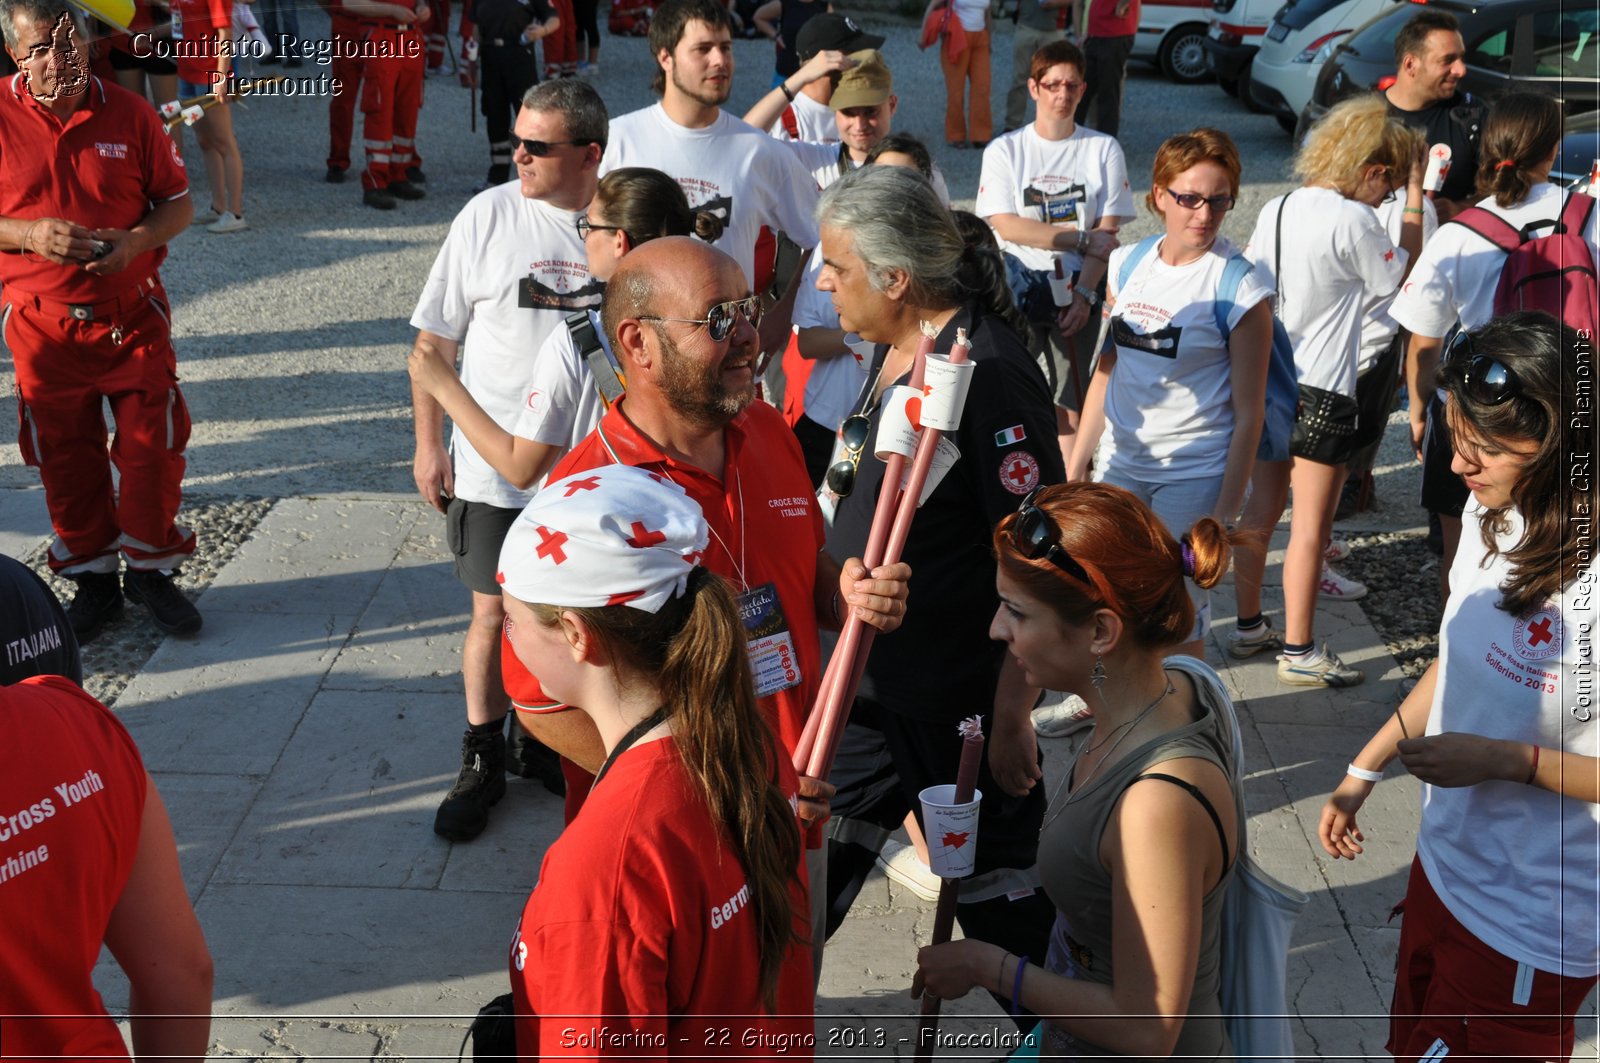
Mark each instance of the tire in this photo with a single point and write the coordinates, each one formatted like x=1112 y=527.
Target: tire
x=1182 y=56
x=1246 y=97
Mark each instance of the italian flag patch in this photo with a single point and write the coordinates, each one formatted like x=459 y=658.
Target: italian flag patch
x=1014 y=434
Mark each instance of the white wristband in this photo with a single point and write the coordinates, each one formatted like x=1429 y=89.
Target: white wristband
x=1363 y=774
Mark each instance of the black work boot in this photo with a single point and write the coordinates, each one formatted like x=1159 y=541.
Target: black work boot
x=482 y=783
x=172 y=612
x=98 y=601
x=530 y=758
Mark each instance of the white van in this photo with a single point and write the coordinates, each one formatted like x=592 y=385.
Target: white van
x=1302 y=36
x=1172 y=36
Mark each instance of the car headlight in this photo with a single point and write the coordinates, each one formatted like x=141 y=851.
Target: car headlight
x=1320 y=49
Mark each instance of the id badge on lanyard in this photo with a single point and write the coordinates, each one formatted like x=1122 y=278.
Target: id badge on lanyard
x=773 y=661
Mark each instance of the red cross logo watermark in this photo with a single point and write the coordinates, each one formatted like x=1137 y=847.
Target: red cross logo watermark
x=550 y=544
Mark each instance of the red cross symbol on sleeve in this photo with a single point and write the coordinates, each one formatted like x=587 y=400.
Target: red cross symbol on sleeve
x=643 y=537
x=1018 y=472
x=587 y=484
x=550 y=544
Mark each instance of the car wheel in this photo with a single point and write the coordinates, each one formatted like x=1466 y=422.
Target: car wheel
x=1183 y=54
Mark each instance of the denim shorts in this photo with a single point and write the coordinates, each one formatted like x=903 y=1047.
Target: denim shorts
x=1179 y=504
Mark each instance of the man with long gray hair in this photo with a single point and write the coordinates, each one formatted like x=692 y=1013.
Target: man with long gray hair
x=91 y=190
x=510 y=271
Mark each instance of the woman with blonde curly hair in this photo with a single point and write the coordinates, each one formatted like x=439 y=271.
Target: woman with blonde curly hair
x=1325 y=253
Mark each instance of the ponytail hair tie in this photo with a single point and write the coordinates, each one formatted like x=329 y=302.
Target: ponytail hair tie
x=1503 y=163
x=1188 y=559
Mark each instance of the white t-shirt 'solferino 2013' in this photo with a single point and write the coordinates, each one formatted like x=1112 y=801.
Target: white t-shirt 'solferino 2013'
x=1517 y=865
x=1069 y=182
x=730 y=168
x=1335 y=258
x=1169 y=401
x=509 y=272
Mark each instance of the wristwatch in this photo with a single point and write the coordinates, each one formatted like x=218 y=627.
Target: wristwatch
x=1090 y=296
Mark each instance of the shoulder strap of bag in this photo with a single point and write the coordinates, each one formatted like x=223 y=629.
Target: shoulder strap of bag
x=607 y=377
x=1233 y=274
x=1575 y=213
x=1277 y=251
x=1194 y=792
x=1135 y=256
x=1491 y=226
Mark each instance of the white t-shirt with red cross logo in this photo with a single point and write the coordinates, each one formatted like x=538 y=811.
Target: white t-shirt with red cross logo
x=1517 y=865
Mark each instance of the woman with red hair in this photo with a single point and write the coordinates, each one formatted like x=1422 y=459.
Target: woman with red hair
x=1142 y=835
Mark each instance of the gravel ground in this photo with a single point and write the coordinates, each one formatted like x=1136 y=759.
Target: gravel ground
x=291 y=336
x=122 y=647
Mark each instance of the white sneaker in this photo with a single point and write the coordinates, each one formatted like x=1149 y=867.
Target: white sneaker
x=228 y=223
x=1242 y=647
x=1337 y=551
x=1060 y=718
x=210 y=217
x=1339 y=587
x=1325 y=669
x=899 y=862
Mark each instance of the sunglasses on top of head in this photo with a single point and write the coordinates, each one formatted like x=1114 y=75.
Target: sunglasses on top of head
x=1485 y=380
x=1036 y=537
x=720 y=319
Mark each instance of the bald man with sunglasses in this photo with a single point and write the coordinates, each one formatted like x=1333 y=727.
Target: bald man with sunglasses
x=682 y=323
x=510 y=271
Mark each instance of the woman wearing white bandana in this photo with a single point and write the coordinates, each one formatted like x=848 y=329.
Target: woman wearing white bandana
x=673 y=900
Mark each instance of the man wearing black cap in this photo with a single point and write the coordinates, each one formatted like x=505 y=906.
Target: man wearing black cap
x=807 y=116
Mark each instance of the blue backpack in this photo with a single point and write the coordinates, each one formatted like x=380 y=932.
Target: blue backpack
x=1283 y=389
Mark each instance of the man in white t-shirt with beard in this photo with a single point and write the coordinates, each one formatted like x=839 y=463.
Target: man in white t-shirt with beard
x=511 y=269
x=724 y=165
x=1057 y=190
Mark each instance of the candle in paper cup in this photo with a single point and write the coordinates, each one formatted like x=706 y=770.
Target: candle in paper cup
x=1060 y=283
x=951 y=829
x=1438 y=168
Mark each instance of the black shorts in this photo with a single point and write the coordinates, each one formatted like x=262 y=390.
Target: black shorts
x=150 y=64
x=474 y=531
x=1443 y=492
x=1375 y=392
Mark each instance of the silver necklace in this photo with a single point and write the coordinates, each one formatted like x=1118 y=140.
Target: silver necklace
x=1126 y=730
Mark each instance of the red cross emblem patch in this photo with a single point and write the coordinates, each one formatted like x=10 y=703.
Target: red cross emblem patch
x=1019 y=472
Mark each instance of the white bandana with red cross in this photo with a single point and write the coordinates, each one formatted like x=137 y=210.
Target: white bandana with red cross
x=616 y=535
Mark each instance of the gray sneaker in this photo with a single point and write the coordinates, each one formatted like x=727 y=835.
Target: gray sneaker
x=1261 y=641
x=1066 y=715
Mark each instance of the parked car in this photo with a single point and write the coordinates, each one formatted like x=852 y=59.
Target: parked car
x=1579 y=153
x=1233 y=36
x=1529 y=45
x=1302 y=36
x=1172 y=36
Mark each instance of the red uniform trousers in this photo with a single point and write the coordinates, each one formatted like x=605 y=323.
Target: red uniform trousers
x=347 y=34
x=391 y=96
x=65 y=367
x=438 y=34
x=561 y=47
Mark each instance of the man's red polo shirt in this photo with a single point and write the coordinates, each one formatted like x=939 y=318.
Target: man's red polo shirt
x=103 y=168
x=765 y=528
